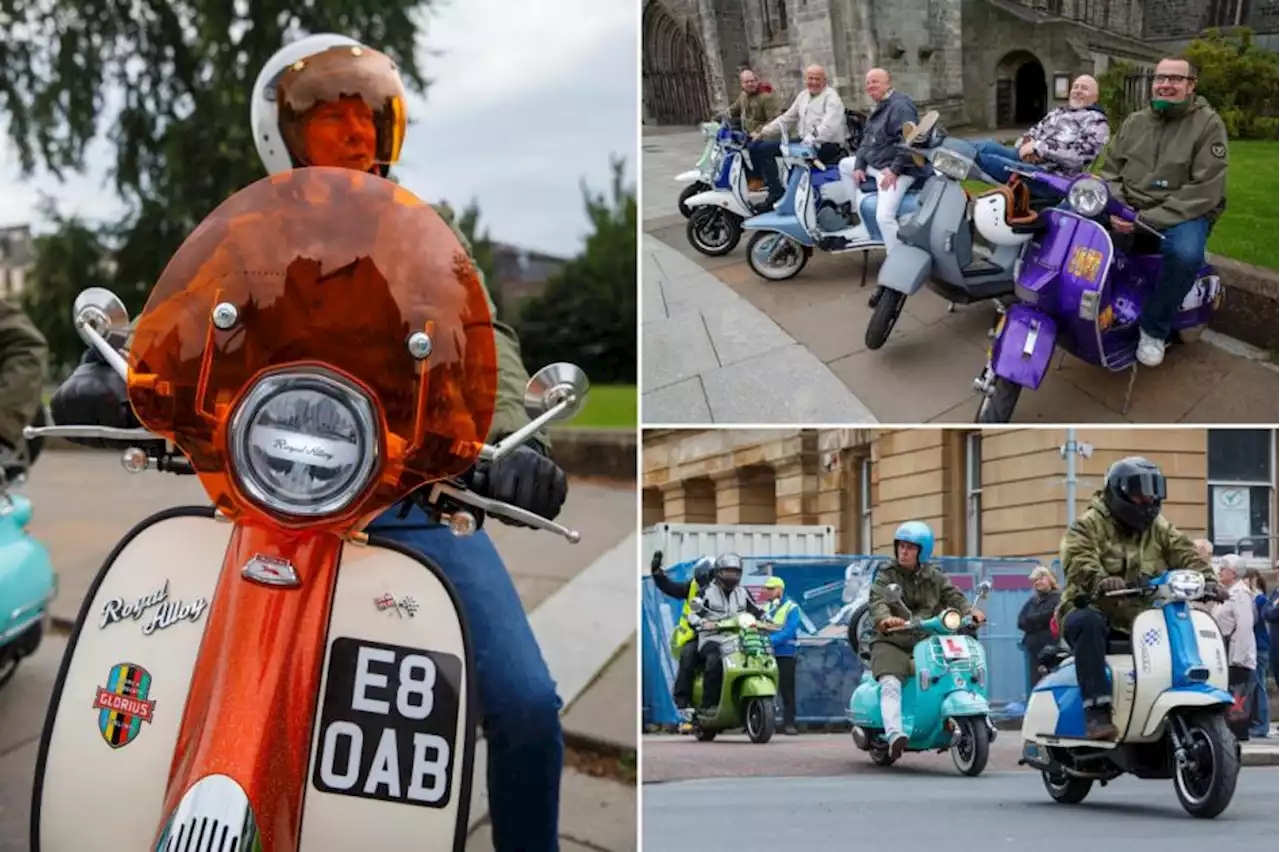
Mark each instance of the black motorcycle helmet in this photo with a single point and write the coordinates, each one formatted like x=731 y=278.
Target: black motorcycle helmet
x=702 y=572
x=728 y=571
x=1135 y=492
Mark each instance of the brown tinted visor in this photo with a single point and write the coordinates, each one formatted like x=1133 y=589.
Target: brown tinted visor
x=335 y=76
x=331 y=269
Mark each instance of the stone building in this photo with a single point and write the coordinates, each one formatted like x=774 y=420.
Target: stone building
x=987 y=63
x=997 y=493
x=17 y=254
x=1174 y=23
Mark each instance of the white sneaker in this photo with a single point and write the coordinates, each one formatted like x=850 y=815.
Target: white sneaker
x=1150 y=350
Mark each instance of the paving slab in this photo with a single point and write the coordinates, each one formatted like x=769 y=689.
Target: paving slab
x=683 y=402
x=608 y=712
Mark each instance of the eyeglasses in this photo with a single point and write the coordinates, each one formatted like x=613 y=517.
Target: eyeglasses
x=1171 y=78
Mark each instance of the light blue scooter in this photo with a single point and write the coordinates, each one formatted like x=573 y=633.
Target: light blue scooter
x=816 y=212
x=27 y=581
x=944 y=703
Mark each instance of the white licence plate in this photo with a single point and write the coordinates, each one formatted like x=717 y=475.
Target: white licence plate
x=954 y=649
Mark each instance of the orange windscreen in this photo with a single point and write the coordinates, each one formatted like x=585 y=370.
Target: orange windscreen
x=327 y=268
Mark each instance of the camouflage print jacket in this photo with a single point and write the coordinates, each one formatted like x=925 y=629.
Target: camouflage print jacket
x=926 y=591
x=24 y=356
x=1097 y=546
x=1067 y=140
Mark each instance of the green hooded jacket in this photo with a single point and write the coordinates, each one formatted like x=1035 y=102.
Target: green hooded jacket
x=756 y=110
x=1172 y=165
x=1098 y=546
x=24 y=357
x=926 y=591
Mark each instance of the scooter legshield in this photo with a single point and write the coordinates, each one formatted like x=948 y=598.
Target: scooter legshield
x=375 y=773
x=1023 y=348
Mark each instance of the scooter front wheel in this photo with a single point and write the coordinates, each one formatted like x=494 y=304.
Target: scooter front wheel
x=1206 y=780
x=689 y=192
x=971 y=753
x=761 y=719
x=888 y=308
x=713 y=231
x=998 y=406
x=776 y=257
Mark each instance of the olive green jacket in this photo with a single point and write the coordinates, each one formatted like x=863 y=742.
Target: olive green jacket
x=926 y=591
x=755 y=110
x=1172 y=166
x=24 y=357
x=1098 y=546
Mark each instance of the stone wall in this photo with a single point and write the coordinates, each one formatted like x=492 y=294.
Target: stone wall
x=1180 y=20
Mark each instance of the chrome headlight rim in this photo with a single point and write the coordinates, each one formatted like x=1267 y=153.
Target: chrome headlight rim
x=950 y=163
x=1186 y=585
x=1084 y=188
x=343 y=393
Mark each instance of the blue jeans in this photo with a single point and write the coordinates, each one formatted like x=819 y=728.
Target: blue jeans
x=1181 y=255
x=1261 y=704
x=764 y=154
x=518 y=701
x=997 y=160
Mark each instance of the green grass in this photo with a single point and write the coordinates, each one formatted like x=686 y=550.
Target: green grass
x=608 y=406
x=1248 y=230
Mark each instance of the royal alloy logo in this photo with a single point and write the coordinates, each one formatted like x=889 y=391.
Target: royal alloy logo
x=122 y=704
x=166 y=614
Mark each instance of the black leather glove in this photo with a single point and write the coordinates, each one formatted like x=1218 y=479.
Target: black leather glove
x=1111 y=584
x=655 y=564
x=94 y=395
x=527 y=479
x=1215 y=591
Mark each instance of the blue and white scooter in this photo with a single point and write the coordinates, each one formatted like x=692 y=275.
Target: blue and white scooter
x=716 y=215
x=816 y=212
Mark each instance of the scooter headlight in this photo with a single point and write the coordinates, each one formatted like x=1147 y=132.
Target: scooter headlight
x=1088 y=196
x=304 y=444
x=951 y=619
x=950 y=163
x=1186 y=585
x=746 y=621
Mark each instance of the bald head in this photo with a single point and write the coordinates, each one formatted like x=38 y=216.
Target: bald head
x=1084 y=92
x=750 y=83
x=877 y=84
x=815 y=79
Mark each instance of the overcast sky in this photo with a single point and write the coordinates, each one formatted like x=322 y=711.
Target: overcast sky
x=528 y=99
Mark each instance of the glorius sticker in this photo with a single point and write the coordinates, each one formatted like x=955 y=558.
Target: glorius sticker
x=1085 y=263
x=122 y=704
x=1218 y=150
x=387 y=723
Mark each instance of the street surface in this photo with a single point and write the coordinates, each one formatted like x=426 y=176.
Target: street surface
x=84 y=502
x=715 y=335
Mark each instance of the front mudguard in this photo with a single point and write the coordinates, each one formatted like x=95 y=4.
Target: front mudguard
x=1023 y=345
x=718 y=198
x=906 y=269
x=758 y=686
x=689 y=176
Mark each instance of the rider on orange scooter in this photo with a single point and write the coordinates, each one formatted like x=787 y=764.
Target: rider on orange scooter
x=326 y=100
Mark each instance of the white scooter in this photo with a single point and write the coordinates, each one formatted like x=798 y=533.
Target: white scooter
x=1169 y=697
x=716 y=214
x=261 y=674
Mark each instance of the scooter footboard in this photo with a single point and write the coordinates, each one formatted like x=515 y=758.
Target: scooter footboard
x=1023 y=346
x=394 y=734
x=117 y=704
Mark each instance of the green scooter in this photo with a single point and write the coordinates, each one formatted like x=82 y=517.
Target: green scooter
x=750 y=683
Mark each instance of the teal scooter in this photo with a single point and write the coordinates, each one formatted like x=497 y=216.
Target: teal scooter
x=27 y=581
x=944 y=702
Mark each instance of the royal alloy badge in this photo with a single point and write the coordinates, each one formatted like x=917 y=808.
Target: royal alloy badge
x=163 y=612
x=122 y=704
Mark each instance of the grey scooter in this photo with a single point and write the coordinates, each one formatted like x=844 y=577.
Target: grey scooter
x=937 y=242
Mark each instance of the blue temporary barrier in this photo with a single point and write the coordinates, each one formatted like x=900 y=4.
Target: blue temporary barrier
x=827 y=590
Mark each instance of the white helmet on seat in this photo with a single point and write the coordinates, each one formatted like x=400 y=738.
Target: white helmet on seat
x=320 y=69
x=1003 y=215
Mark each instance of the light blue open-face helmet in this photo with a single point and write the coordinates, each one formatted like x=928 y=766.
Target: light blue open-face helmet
x=919 y=534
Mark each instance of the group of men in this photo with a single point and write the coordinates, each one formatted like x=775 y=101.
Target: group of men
x=1168 y=161
x=1121 y=540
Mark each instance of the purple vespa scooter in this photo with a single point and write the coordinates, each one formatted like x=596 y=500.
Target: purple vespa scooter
x=1075 y=289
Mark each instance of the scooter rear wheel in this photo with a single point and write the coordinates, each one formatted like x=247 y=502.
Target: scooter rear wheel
x=8 y=665
x=761 y=719
x=1066 y=790
x=888 y=308
x=795 y=256
x=1206 y=783
x=999 y=406
x=687 y=193
x=703 y=735
x=713 y=232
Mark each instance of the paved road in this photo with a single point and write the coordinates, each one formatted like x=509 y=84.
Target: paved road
x=922 y=810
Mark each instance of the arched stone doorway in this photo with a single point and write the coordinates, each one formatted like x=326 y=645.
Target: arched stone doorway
x=673 y=69
x=1022 y=91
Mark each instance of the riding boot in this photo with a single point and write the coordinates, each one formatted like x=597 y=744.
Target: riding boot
x=1097 y=723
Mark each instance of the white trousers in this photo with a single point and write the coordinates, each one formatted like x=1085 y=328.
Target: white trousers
x=887 y=201
x=891 y=705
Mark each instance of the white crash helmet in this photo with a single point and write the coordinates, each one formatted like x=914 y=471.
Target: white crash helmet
x=372 y=76
x=1003 y=214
